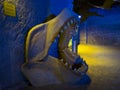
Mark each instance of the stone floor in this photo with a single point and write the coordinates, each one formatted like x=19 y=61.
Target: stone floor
x=104 y=66
x=104 y=69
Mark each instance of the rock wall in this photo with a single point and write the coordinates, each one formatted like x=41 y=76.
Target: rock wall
x=57 y=5
x=12 y=36
x=104 y=30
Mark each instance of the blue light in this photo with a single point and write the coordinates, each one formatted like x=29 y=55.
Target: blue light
x=79 y=16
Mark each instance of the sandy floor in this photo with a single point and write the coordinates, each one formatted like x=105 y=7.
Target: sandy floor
x=104 y=69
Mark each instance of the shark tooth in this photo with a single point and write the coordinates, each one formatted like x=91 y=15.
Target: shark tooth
x=74 y=19
x=68 y=24
x=75 y=69
x=58 y=35
x=66 y=64
x=71 y=21
x=65 y=27
x=61 y=31
x=79 y=71
x=61 y=60
x=76 y=27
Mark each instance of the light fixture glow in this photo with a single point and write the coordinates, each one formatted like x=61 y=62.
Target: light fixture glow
x=79 y=16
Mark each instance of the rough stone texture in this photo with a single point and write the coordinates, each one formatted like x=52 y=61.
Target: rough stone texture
x=102 y=30
x=12 y=35
x=57 y=6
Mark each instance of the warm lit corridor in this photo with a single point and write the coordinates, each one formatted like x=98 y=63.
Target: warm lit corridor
x=104 y=66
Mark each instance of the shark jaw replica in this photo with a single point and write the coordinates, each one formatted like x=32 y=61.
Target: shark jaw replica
x=42 y=69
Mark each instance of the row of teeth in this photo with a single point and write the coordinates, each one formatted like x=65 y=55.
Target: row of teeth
x=70 y=22
x=70 y=67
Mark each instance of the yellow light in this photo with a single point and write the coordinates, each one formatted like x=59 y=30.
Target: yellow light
x=93 y=49
x=86 y=49
x=70 y=43
x=96 y=55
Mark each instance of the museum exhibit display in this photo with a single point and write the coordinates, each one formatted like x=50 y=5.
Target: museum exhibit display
x=59 y=44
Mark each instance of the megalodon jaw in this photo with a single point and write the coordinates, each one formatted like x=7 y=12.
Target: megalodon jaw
x=38 y=41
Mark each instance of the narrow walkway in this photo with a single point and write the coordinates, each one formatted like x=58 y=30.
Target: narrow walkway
x=104 y=66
